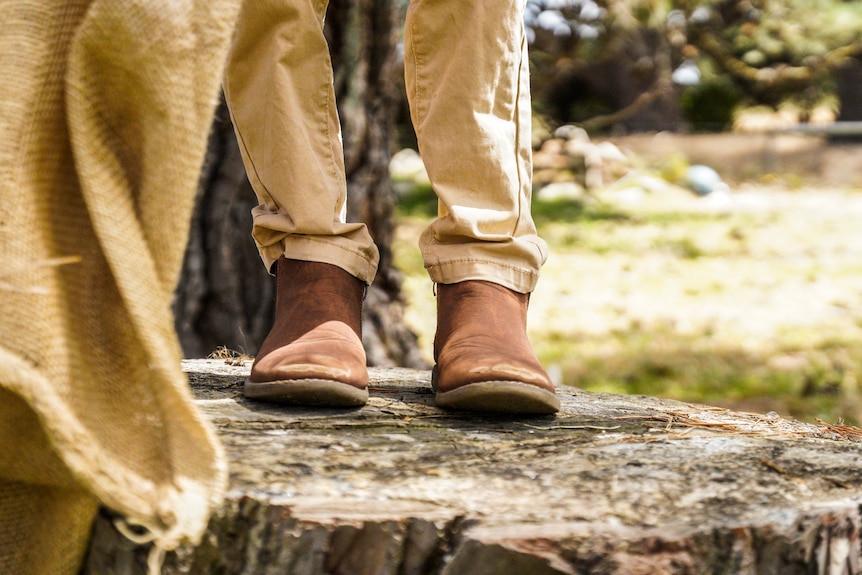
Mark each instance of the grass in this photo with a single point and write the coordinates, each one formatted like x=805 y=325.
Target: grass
x=754 y=304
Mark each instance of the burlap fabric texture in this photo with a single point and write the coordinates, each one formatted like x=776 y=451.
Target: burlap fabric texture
x=105 y=107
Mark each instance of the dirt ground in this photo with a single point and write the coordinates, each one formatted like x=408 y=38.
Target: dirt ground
x=746 y=157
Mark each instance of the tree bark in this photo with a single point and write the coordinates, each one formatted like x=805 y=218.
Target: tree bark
x=224 y=297
x=613 y=485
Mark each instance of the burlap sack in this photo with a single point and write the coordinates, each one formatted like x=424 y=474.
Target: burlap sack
x=105 y=107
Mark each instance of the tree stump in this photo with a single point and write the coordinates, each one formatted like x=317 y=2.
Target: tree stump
x=628 y=485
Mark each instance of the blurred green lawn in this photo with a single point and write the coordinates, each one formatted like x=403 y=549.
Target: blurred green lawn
x=751 y=301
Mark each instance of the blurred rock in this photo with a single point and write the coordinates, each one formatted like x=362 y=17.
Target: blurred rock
x=543 y=177
x=408 y=165
x=407 y=171
x=588 y=165
x=562 y=191
x=570 y=132
x=648 y=183
x=627 y=196
x=701 y=179
x=553 y=146
x=720 y=200
x=635 y=186
x=609 y=152
x=551 y=156
x=577 y=147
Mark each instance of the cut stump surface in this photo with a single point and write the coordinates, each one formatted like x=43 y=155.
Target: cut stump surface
x=611 y=485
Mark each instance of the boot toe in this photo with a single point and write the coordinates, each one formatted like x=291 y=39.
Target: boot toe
x=509 y=397
x=495 y=388
x=308 y=392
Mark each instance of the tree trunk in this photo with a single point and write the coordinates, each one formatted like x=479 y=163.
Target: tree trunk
x=224 y=297
x=849 y=90
x=613 y=485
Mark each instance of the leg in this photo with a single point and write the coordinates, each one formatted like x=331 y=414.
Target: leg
x=278 y=84
x=279 y=88
x=468 y=87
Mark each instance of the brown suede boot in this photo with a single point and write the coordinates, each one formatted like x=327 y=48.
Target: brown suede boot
x=484 y=361
x=313 y=355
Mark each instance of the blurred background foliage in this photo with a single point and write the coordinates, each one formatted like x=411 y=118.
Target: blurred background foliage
x=634 y=65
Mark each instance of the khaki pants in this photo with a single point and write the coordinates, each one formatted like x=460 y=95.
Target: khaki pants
x=467 y=78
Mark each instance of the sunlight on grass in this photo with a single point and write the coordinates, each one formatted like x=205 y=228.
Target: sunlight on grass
x=754 y=305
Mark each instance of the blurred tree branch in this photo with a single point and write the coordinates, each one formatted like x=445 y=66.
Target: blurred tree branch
x=610 y=66
x=781 y=78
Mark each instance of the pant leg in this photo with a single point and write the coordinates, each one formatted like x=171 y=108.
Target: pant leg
x=467 y=78
x=278 y=84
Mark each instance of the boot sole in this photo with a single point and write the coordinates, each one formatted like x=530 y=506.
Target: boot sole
x=512 y=397
x=306 y=392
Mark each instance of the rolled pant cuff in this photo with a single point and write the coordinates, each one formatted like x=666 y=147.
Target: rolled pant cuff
x=311 y=249
x=517 y=279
